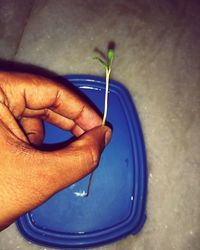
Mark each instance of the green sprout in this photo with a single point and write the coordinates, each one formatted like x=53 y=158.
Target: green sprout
x=107 y=66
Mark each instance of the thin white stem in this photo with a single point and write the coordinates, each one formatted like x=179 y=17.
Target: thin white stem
x=106 y=97
x=104 y=119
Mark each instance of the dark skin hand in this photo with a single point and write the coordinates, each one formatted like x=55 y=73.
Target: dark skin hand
x=28 y=176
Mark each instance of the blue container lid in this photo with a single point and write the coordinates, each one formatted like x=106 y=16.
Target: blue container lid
x=116 y=204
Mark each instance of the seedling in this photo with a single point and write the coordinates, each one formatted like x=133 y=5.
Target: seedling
x=107 y=66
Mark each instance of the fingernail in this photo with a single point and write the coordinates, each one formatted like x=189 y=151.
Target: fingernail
x=108 y=136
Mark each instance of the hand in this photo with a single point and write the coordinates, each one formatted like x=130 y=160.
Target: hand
x=28 y=177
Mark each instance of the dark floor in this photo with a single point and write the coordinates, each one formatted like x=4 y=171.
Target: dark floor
x=158 y=59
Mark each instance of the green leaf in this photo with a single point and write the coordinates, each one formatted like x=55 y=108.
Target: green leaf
x=101 y=61
x=110 y=56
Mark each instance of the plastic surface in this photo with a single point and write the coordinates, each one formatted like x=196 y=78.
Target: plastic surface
x=115 y=206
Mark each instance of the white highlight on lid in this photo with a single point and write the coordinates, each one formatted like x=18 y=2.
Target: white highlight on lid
x=80 y=194
x=88 y=87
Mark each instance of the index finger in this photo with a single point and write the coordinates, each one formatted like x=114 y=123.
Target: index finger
x=35 y=93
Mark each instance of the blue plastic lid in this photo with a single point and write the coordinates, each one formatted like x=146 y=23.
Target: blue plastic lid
x=116 y=204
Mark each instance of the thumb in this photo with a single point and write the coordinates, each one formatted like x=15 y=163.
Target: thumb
x=81 y=157
x=55 y=170
x=36 y=175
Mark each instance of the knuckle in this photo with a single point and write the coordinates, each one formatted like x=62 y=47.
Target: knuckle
x=46 y=114
x=93 y=156
x=88 y=154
